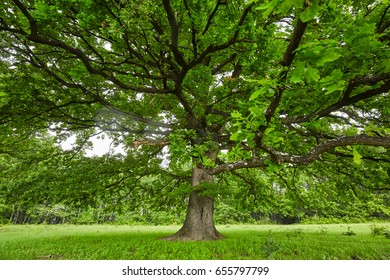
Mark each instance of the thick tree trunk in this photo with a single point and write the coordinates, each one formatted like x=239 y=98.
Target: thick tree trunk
x=199 y=222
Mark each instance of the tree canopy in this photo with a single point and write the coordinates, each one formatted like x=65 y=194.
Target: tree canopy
x=227 y=85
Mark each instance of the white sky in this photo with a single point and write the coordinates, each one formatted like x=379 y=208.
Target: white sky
x=100 y=146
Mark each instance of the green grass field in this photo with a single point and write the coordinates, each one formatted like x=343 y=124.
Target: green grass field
x=107 y=242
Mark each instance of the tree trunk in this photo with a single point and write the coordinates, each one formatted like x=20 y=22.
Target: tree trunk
x=199 y=222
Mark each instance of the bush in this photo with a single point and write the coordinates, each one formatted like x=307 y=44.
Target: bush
x=349 y=232
x=375 y=230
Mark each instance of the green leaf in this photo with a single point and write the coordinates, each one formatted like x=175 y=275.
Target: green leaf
x=256 y=111
x=340 y=85
x=236 y=115
x=236 y=136
x=334 y=76
x=311 y=11
x=286 y=5
x=357 y=158
x=328 y=56
x=257 y=93
x=312 y=75
x=298 y=73
x=268 y=7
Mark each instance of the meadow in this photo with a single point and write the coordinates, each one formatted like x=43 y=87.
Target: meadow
x=110 y=242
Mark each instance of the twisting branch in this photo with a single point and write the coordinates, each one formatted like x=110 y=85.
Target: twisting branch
x=96 y=97
x=32 y=22
x=330 y=144
x=380 y=28
x=193 y=30
x=363 y=80
x=346 y=101
x=219 y=67
x=313 y=155
x=287 y=60
x=174 y=33
x=214 y=48
x=213 y=13
x=227 y=167
x=148 y=142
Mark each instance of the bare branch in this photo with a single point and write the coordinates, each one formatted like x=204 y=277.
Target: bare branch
x=254 y=163
x=148 y=142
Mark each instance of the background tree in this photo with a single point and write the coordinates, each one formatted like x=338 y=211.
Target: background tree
x=226 y=84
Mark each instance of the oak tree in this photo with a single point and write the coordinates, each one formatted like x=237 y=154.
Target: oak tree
x=226 y=85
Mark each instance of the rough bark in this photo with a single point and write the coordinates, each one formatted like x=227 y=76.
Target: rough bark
x=199 y=222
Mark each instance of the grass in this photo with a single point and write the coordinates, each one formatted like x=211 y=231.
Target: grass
x=107 y=242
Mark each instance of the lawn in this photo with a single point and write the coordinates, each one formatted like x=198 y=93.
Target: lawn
x=108 y=242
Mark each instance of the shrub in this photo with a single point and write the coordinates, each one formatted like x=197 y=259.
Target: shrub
x=375 y=230
x=349 y=232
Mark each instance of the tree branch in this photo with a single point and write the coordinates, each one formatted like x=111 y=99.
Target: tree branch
x=380 y=29
x=148 y=142
x=281 y=158
x=87 y=62
x=174 y=33
x=330 y=144
x=346 y=101
x=193 y=30
x=213 y=13
x=286 y=61
x=226 y=167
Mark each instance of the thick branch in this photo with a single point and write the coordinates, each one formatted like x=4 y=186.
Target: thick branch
x=148 y=142
x=364 y=80
x=343 y=103
x=254 y=163
x=324 y=147
x=297 y=35
x=330 y=144
x=287 y=60
x=174 y=33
